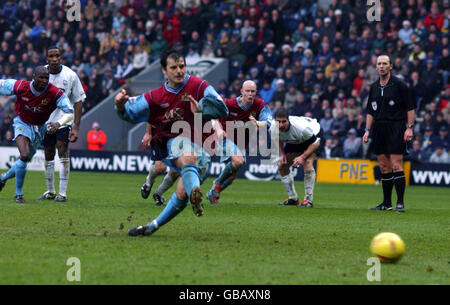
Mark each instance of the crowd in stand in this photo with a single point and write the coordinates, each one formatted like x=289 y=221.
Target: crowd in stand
x=315 y=58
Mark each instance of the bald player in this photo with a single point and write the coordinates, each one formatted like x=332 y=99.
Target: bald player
x=246 y=107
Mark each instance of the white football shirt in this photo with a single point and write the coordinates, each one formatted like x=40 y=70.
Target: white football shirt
x=68 y=81
x=301 y=130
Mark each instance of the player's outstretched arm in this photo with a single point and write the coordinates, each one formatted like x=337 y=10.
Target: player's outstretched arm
x=211 y=105
x=7 y=86
x=264 y=118
x=133 y=109
x=120 y=99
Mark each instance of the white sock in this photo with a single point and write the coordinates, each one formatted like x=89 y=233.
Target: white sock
x=288 y=182
x=64 y=175
x=152 y=174
x=166 y=184
x=310 y=179
x=49 y=167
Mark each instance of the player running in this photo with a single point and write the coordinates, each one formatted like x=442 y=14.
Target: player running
x=301 y=136
x=246 y=107
x=36 y=100
x=66 y=80
x=168 y=108
x=157 y=168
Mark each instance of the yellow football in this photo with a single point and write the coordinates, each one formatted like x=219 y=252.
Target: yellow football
x=388 y=247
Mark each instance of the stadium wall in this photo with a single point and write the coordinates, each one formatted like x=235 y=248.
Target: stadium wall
x=330 y=171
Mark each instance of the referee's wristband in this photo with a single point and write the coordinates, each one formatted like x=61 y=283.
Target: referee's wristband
x=366 y=129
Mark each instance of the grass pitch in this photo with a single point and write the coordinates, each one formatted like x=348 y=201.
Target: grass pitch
x=246 y=239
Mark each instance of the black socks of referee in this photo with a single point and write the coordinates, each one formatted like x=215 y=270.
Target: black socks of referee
x=400 y=184
x=390 y=180
x=387 y=181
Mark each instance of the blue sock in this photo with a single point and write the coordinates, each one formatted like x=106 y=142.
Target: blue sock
x=190 y=177
x=21 y=170
x=225 y=184
x=227 y=172
x=172 y=209
x=11 y=173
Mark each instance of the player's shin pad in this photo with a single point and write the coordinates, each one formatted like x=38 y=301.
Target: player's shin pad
x=49 y=167
x=190 y=177
x=310 y=179
x=64 y=175
x=227 y=172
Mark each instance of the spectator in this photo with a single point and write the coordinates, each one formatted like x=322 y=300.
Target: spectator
x=280 y=91
x=439 y=123
x=96 y=138
x=330 y=150
x=171 y=34
x=205 y=13
x=266 y=92
x=339 y=124
x=440 y=155
x=314 y=107
x=140 y=59
x=158 y=45
x=290 y=97
x=93 y=94
x=427 y=141
x=109 y=83
x=327 y=122
x=8 y=138
x=300 y=108
x=444 y=65
x=405 y=32
x=434 y=18
x=352 y=145
x=442 y=139
x=417 y=154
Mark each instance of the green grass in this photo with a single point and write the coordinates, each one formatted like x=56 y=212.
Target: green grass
x=247 y=239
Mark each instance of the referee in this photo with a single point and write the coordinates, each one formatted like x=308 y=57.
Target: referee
x=390 y=116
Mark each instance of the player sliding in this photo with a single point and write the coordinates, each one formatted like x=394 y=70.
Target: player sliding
x=36 y=100
x=246 y=107
x=181 y=96
x=157 y=168
x=301 y=136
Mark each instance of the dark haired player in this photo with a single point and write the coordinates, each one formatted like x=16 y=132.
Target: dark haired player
x=177 y=101
x=67 y=80
x=36 y=100
x=301 y=137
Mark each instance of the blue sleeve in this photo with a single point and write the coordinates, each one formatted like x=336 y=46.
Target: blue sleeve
x=7 y=86
x=64 y=104
x=136 y=110
x=212 y=105
x=266 y=116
